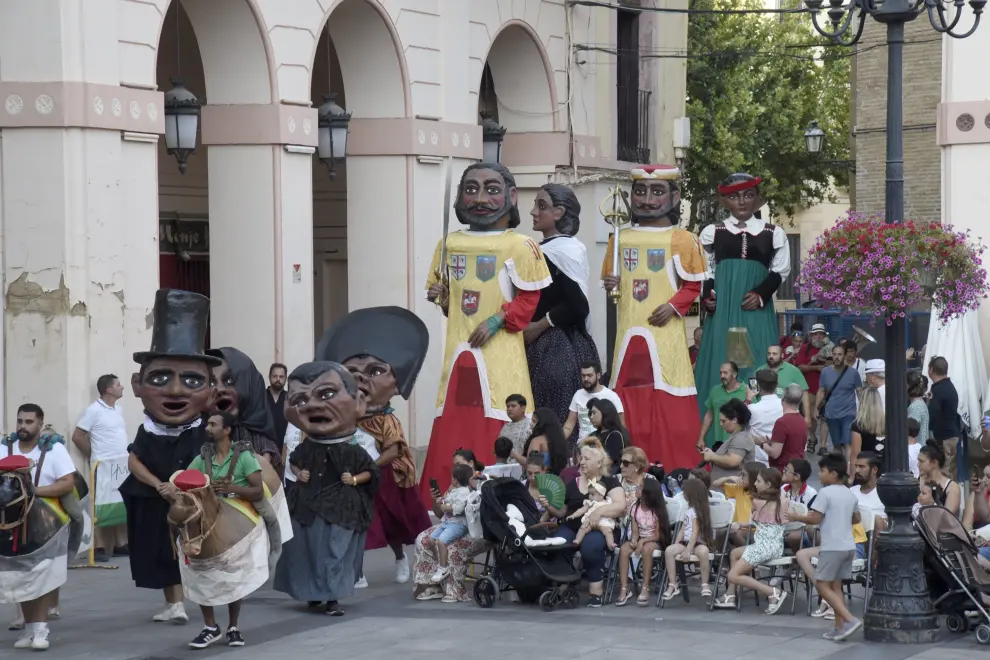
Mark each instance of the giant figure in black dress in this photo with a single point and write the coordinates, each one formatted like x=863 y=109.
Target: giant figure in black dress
x=558 y=339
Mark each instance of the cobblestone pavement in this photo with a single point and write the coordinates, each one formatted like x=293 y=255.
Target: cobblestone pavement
x=105 y=617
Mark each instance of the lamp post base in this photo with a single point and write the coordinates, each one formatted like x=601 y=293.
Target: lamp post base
x=900 y=609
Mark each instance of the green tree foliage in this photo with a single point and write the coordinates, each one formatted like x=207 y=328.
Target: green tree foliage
x=754 y=83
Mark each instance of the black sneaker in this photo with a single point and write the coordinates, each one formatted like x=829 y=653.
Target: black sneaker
x=334 y=609
x=207 y=637
x=122 y=551
x=100 y=555
x=594 y=601
x=234 y=637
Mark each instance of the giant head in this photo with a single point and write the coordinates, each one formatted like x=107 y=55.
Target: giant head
x=239 y=389
x=740 y=194
x=486 y=196
x=556 y=208
x=382 y=347
x=323 y=399
x=173 y=382
x=656 y=196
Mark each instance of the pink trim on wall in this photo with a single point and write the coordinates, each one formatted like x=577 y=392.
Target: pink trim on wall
x=547 y=66
x=413 y=137
x=260 y=124
x=396 y=42
x=82 y=105
x=963 y=122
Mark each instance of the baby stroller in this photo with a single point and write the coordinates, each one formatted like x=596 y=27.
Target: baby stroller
x=537 y=572
x=956 y=580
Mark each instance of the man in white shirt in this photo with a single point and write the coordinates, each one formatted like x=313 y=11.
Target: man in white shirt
x=101 y=434
x=55 y=479
x=876 y=376
x=867 y=470
x=591 y=388
x=768 y=409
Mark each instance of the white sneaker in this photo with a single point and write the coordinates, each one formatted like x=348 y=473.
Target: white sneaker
x=53 y=613
x=40 y=641
x=175 y=613
x=362 y=583
x=402 y=569
x=25 y=640
x=439 y=575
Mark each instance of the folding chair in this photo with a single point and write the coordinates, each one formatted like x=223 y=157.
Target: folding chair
x=722 y=513
x=787 y=562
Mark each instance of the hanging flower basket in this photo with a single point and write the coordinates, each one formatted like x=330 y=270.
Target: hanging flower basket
x=864 y=265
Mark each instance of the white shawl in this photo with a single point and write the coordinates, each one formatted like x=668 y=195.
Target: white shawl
x=570 y=256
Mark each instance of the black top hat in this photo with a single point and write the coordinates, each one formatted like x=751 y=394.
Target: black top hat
x=392 y=334
x=180 y=319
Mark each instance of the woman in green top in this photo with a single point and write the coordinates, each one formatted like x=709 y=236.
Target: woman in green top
x=245 y=483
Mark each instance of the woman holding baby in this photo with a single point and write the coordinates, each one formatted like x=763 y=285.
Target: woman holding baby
x=592 y=504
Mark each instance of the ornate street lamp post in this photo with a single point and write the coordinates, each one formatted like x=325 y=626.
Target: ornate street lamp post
x=491 y=139
x=900 y=608
x=333 y=122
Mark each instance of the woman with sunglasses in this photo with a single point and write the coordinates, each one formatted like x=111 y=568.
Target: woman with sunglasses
x=633 y=467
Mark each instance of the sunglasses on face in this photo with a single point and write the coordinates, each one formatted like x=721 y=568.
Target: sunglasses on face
x=625 y=463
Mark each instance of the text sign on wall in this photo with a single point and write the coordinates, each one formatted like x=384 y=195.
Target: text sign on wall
x=191 y=236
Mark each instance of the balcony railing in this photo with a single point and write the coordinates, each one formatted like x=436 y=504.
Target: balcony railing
x=633 y=108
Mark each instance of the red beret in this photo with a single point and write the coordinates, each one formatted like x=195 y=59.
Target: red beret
x=742 y=185
x=190 y=480
x=12 y=463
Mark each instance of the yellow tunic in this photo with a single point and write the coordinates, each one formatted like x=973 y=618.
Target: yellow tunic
x=485 y=269
x=655 y=260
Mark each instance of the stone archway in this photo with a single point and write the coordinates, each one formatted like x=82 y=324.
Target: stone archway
x=522 y=78
x=221 y=52
x=357 y=57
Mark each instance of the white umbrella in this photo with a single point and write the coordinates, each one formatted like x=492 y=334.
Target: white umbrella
x=958 y=341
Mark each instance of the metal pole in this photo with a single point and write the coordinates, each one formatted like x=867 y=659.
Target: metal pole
x=900 y=608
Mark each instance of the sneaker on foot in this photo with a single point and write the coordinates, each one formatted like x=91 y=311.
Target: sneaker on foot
x=174 y=612
x=362 y=583
x=594 y=601
x=402 y=569
x=234 y=637
x=53 y=613
x=831 y=634
x=122 y=551
x=848 y=629
x=205 y=638
x=24 y=641
x=439 y=575
x=17 y=624
x=40 y=640
x=101 y=556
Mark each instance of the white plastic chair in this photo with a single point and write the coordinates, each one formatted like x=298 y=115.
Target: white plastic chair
x=723 y=511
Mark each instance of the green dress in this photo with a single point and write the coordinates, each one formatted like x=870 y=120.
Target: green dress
x=734 y=278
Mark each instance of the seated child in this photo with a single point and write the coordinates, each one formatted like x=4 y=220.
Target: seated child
x=596 y=498
x=454 y=524
x=503 y=467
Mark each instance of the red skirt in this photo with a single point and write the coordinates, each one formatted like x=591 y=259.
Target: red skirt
x=665 y=426
x=462 y=425
x=399 y=514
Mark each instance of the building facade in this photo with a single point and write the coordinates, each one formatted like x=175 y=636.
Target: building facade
x=964 y=136
x=922 y=90
x=96 y=215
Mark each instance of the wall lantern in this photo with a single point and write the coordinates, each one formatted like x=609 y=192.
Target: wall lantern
x=814 y=139
x=491 y=139
x=182 y=110
x=332 y=133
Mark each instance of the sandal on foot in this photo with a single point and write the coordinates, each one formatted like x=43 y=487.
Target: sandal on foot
x=644 y=598
x=823 y=612
x=776 y=600
x=725 y=602
x=672 y=592
x=706 y=591
x=623 y=598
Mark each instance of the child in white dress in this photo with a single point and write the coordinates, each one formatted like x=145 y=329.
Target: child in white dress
x=596 y=499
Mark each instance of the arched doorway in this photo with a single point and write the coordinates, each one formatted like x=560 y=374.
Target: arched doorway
x=358 y=60
x=516 y=86
x=183 y=199
x=218 y=50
